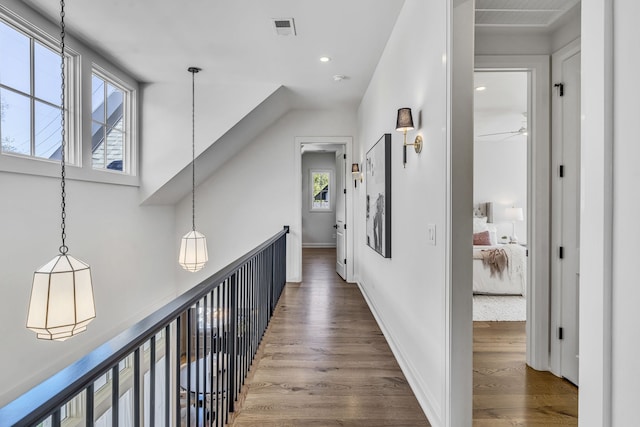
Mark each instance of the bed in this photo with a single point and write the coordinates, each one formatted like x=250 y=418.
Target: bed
x=498 y=269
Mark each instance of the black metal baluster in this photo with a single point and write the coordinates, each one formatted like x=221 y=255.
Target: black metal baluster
x=189 y=338
x=197 y=362
x=167 y=376
x=152 y=382
x=115 y=395
x=178 y=415
x=218 y=361
x=55 y=418
x=88 y=407
x=136 y=387
x=205 y=319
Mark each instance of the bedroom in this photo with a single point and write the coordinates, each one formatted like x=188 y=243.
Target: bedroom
x=500 y=195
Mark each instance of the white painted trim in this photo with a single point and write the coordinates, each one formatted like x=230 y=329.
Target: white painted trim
x=294 y=260
x=596 y=223
x=426 y=400
x=319 y=245
x=556 y=193
x=538 y=203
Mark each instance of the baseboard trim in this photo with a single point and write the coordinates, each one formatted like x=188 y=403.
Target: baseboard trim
x=419 y=388
x=318 y=245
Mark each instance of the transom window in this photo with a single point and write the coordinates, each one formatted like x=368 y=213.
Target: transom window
x=320 y=189
x=30 y=90
x=109 y=127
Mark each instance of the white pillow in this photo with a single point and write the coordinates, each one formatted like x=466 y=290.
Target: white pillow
x=493 y=234
x=480 y=225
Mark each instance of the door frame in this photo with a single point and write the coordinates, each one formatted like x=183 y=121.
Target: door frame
x=295 y=246
x=538 y=199
x=558 y=57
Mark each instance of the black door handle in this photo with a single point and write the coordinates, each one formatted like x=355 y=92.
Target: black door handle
x=335 y=226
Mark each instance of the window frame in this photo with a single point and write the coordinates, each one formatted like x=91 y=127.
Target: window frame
x=129 y=150
x=72 y=99
x=85 y=59
x=331 y=186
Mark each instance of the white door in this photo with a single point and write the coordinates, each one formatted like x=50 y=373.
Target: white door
x=569 y=250
x=341 y=196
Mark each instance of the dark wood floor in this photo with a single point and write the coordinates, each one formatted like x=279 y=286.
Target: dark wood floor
x=325 y=362
x=509 y=393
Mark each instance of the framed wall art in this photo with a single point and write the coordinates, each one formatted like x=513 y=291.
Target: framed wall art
x=378 y=200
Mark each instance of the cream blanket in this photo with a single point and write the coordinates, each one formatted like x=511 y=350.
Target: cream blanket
x=513 y=258
x=496 y=259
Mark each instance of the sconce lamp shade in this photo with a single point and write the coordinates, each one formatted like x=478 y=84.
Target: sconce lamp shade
x=61 y=304
x=405 y=120
x=514 y=214
x=193 y=251
x=355 y=169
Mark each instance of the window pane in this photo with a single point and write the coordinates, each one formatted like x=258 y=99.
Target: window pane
x=47 y=130
x=97 y=99
x=114 y=106
x=97 y=153
x=47 y=74
x=115 y=141
x=15 y=122
x=320 y=191
x=15 y=62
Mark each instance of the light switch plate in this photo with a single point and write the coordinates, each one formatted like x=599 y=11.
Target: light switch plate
x=431 y=234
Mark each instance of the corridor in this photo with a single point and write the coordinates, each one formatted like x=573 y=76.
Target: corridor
x=324 y=361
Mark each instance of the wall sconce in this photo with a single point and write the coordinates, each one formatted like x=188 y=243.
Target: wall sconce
x=404 y=123
x=357 y=174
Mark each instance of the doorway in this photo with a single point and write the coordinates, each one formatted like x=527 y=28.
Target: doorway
x=501 y=210
x=324 y=205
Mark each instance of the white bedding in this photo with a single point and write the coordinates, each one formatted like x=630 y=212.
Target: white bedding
x=513 y=280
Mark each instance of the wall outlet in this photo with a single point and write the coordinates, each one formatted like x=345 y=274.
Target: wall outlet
x=431 y=234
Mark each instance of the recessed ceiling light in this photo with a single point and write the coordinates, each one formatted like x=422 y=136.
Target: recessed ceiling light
x=325 y=59
x=481 y=88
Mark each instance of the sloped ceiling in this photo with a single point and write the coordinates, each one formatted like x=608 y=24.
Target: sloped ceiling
x=235 y=41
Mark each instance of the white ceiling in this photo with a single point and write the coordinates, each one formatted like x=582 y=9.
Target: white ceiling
x=234 y=41
x=502 y=106
x=521 y=13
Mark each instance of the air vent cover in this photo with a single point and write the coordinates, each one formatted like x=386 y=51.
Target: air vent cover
x=284 y=26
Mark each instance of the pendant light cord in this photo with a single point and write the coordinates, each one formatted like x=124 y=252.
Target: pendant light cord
x=63 y=248
x=193 y=146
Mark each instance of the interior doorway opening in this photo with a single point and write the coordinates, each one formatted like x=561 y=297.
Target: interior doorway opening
x=324 y=200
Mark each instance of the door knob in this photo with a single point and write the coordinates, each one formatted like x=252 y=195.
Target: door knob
x=335 y=226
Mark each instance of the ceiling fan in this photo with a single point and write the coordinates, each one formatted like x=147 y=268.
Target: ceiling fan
x=521 y=131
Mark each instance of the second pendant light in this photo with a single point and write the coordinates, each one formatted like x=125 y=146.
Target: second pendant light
x=193 y=248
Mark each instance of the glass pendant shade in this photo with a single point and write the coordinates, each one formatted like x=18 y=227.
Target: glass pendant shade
x=193 y=251
x=61 y=304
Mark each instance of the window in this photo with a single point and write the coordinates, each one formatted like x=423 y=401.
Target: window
x=30 y=92
x=320 y=190
x=110 y=135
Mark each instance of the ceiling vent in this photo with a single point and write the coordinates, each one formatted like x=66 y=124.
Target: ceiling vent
x=284 y=27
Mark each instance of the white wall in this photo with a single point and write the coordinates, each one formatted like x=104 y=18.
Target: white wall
x=500 y=176
x=250 y=198
x=317 y=227
x=511 y=41
x=408 y=292
x=131 y=251
x=626 y=205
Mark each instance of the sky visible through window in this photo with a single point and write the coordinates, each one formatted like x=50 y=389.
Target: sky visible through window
x=28 y=99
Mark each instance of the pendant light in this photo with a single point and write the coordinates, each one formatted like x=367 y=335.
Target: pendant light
x=193 y=248
x=61 y=303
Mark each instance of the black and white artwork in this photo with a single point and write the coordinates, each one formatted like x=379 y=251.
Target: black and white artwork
x=378 y=209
